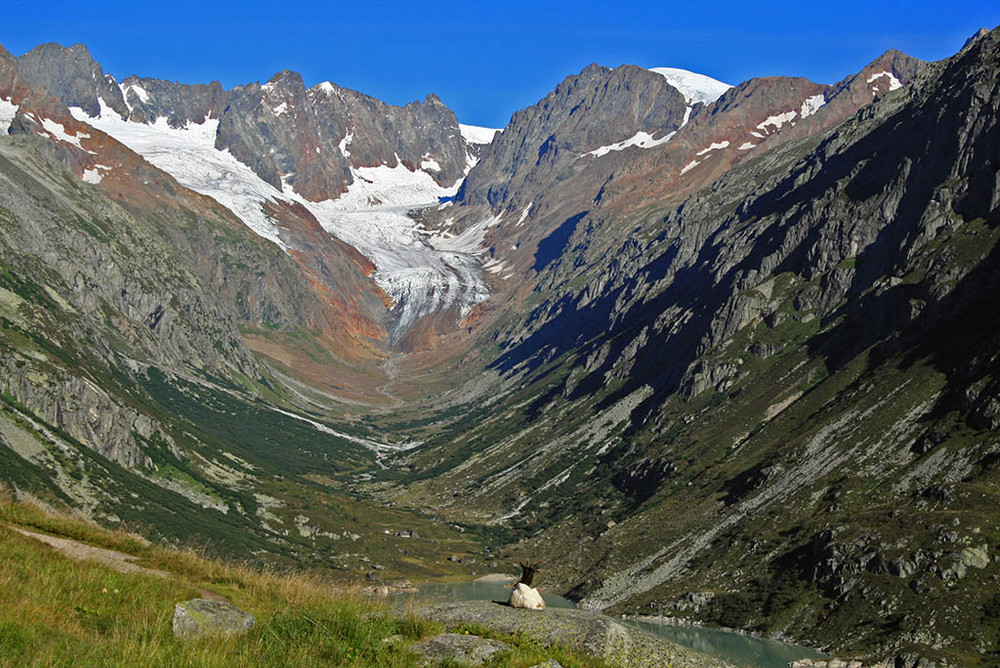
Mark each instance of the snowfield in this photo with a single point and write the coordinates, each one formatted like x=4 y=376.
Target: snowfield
x=693 y=86
x=422 y=273
x=189 y=155
x=474 y=134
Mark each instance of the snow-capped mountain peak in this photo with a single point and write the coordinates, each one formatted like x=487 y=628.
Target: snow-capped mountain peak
x=693 y=86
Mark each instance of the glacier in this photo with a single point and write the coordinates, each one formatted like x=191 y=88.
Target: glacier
x=420 y=272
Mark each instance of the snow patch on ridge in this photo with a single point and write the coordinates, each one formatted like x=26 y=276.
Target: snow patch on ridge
x=714 y=147
x=693 y=86
x=688 y=167
x=8 y=111
x=811 y=105
x=894 y=83
x=345 y=143
x=777 y=121
x=139 y=91
x=524 y=214
x=640 y=139
x=58 y=132
x=94 y=175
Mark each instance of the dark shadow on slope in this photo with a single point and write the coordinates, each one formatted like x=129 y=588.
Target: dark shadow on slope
x=552 y=247
x=885 y=161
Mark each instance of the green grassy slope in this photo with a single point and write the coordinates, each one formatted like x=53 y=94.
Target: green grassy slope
x=59 y=612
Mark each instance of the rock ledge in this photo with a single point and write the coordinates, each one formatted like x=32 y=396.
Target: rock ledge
x=584 y=631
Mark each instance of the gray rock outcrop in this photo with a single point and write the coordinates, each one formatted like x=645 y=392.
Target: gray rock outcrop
x=458 y=648
x=149 y=99
x=542 y=143
x=72 y=76
x=201 y=616
x=312 y=138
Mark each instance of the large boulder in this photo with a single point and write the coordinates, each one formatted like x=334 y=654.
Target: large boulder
x=201 y=616
x=588 y=632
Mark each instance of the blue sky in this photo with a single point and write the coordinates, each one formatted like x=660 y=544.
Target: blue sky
x=488 y=59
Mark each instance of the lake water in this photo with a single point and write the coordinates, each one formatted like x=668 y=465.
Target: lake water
x=736 y=648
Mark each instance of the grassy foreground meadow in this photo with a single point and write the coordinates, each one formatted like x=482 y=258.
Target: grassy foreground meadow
x=61 y=612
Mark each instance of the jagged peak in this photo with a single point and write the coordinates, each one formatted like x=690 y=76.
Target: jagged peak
x=594 y=68
x=283 y=76
x=54 y=49
x=588 y=72
x=982 y=32
x=901 y=63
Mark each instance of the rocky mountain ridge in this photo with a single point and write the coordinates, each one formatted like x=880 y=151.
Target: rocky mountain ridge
x=550 y=168
x=277 y=129
x=297 y=166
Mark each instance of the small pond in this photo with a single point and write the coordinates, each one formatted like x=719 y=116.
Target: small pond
x=736 y=648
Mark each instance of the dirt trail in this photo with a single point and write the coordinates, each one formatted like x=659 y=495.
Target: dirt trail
x=78 y=551
x=118 y=561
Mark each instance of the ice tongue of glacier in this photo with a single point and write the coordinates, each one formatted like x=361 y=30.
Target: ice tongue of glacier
x=421 y=275
x=421 y=278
